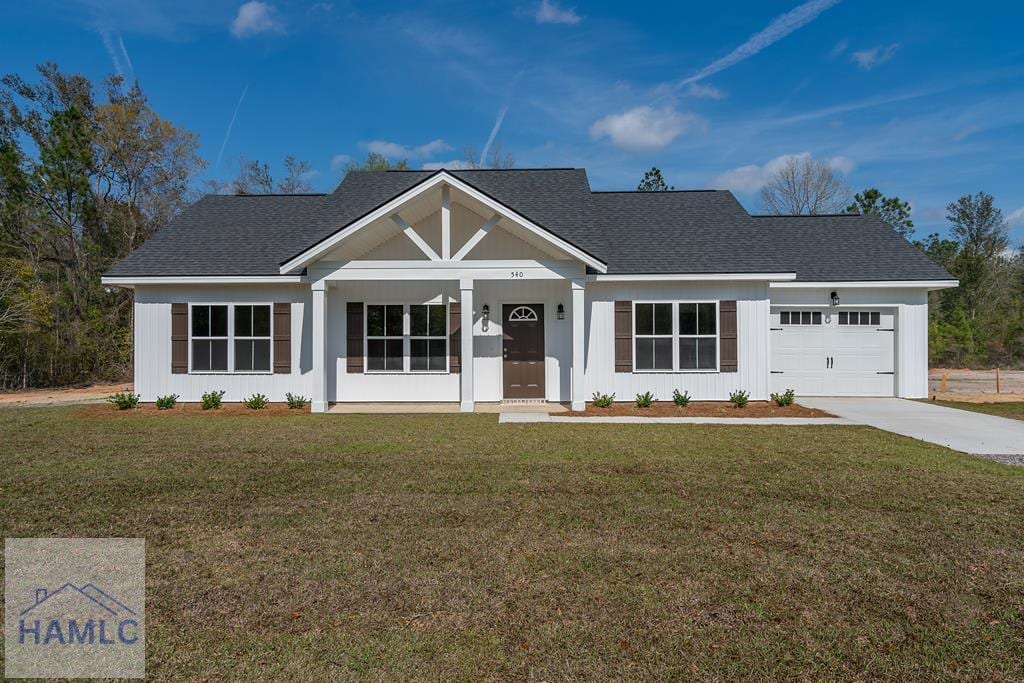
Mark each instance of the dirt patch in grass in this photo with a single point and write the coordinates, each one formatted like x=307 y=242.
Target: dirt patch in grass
x=105 y=410
x=700 y=409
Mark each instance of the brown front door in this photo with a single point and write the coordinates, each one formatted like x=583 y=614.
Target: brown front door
x=523 y=350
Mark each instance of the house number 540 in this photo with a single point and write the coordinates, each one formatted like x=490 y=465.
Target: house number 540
x=517 y=273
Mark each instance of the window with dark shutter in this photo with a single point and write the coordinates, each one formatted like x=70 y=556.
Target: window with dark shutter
x=179 y=339
x=729 y=360
x=354 y=346
x=623 y=336
x=282 y=338
x=455 y=337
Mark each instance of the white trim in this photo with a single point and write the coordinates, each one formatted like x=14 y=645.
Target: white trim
x=475 y=239
x=866 y=284
x=204 y=280
x=446 y=223
x=512 y=270
x=411 y=233
x=230 y=338
x=696 y=277
x=675 y=335
x=325 y=245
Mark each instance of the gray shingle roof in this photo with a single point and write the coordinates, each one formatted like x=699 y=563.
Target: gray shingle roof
x=632 y=232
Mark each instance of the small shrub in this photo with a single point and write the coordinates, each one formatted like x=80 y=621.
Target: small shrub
x=603 y=400
x=166 y=402
x=296 y=402
x=124 y=400
x=784 y=399
x=739 y=398
x=211 y=400
x=256 y=402
x=681 y=399
x=644 y=400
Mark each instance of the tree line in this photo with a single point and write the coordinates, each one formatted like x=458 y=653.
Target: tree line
x=978 y=324
x=88 y=173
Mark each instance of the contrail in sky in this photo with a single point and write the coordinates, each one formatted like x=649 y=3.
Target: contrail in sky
x=231 y=125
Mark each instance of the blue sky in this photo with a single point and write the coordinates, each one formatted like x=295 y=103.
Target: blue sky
x=924 y=100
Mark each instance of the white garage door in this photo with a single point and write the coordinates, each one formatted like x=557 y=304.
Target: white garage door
x=833 y=353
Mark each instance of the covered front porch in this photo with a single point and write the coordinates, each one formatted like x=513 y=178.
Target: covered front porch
x=445 y=295
x=518 y=338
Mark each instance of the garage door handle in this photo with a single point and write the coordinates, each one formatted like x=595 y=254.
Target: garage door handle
x=886 y=329
x=885 y=373
x=775 y=329
x=777 y=372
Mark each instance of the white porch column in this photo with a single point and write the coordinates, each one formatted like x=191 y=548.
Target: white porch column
x=319 y=404
x=578 y=349
x=466 y=327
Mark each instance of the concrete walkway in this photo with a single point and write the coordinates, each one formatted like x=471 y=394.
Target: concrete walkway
x=506 y=418
x=961 y=430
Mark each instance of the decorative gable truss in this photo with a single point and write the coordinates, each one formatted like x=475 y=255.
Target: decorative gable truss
x=419 y=225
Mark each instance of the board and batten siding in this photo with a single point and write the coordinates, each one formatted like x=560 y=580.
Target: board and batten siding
x=152 y=335
x=752 y=312
x=487 y=349
x=911 y=308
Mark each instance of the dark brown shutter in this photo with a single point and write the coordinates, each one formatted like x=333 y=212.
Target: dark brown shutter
x=354 y=348
x=179 y=339
x=623 y=336
x=455 y=337
x=282 y=338
x=727 y=335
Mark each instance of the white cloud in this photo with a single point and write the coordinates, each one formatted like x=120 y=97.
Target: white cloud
x=1016 y=217
x=394 y=150
x=780 y=27
x=703 y=90
x=644 y=129
x=875 y=56
x=118 y=53
x=255 y=17
x=552 y=13
x=453 y=165
x=752 y=177
x=839 y=48
x=339 y=161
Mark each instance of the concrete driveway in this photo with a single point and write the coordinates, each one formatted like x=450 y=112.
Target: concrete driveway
x=961 y=430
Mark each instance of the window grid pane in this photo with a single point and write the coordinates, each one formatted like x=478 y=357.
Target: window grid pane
x=706 y=319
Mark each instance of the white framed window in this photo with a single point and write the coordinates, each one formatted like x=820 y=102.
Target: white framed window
x=698 y=336
x=428 y=338
x=252 y=338
x=226 y=338
x=385 y=338
x=407 y=338
x=675 y=336
x=860 y=318
x=800 y=318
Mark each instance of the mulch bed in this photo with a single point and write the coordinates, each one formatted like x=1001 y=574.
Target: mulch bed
x=150 y=410
x=700 y=409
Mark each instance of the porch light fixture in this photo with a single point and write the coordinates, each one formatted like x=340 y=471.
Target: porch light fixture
x=561 y=312
x=835 y=298
x=486 y=316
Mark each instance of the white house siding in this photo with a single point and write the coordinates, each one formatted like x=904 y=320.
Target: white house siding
x=752 y=338
x=153 y=343
x=487 y=380
x=911 y=308
x=387 y=387
x=487 y=377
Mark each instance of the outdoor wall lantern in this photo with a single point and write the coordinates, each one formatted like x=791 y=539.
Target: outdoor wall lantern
x=486 y=313
x=561 y=312
x=835 y=298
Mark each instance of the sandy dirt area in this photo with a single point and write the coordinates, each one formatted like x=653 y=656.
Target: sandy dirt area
x=976 y=386
x=54 y=397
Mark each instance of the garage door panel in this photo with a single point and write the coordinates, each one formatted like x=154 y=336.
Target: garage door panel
x=861 y=353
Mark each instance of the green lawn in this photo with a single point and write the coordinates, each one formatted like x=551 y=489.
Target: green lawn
x=1014 y=409
x=448 y=547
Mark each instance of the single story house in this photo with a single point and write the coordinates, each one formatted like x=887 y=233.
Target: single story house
x=522 y=285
